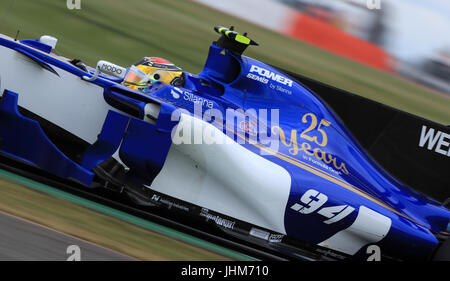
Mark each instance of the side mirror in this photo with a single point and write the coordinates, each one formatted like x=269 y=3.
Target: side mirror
x=109 y=69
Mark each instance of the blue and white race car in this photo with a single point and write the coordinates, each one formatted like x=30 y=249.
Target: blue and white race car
x=263 y=153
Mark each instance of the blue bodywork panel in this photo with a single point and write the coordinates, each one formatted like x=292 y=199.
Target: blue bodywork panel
x=24 y=139
x=108 y=141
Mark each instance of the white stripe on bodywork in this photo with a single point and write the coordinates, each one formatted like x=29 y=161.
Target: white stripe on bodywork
x=65 y=100
x=226 y=178
x=369 y=227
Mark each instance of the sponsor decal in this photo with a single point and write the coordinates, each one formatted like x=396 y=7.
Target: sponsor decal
x=305 y=147
x=217 y=219
x=108 y=68
x=250 y=128
x=314 y=160
x=280 y=89
x=275 y=238
x=197 y=100
x=259 y=233
x=175 y=95
x=258 y=78
x=435 y=140
x=330 y=253
x=265 y=235
x=265 y=75
x=170 y=204
x=111 y=69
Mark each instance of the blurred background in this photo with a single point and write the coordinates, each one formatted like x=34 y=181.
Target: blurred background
x=394 y=51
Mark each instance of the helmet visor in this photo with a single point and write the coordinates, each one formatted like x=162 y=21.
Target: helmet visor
x=136 y=77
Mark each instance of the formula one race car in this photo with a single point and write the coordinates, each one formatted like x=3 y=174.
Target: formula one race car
x=263 y=153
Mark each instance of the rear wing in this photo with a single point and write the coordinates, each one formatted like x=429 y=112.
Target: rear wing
x=414 y=150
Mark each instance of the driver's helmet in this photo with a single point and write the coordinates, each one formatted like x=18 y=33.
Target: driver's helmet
x=150 y=70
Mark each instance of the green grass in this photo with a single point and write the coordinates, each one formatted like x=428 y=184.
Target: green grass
x=180 y=30
x=101 y=229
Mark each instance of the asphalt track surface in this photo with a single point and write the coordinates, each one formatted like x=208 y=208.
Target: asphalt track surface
x=35 y=179
x=22 y=240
